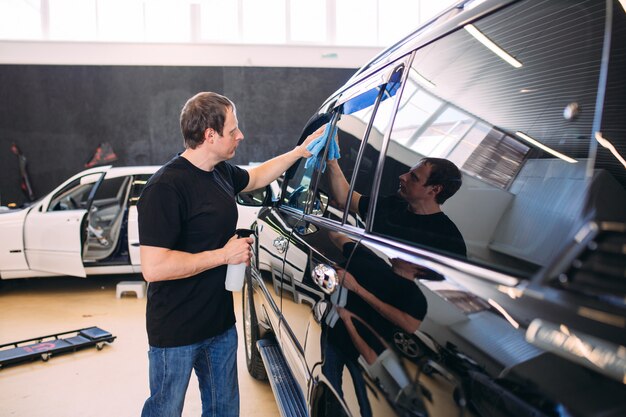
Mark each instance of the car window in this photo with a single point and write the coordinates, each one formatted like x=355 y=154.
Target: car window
x=361 y=118
x=299 y=177
x=111 y=189
x=297 y=188
x=74 y=196
x=109 y=201
x=518 y=124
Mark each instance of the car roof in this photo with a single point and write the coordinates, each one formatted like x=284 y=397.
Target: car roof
x=131 y=170
x=452 y=18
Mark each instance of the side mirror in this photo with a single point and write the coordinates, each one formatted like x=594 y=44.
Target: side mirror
x=255 y=198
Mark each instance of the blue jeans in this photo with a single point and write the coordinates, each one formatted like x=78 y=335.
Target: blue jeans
x=215 y=363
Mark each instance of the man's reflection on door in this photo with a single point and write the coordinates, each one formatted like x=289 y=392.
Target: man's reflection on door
x=376 y=300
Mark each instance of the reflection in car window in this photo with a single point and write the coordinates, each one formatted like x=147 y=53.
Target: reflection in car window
x=505 y=125
x=298 y=178
x=353 y=126
x=432 y=127
x=297 y=189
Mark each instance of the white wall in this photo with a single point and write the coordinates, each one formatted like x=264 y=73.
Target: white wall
x=100 y=53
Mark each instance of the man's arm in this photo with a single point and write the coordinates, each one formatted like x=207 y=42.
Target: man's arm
x=360 y=344
x=263 y=174
x=340 y=187
x=402 y=319
x=161 y=264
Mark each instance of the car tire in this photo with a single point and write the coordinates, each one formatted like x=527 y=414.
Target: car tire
x=254 y=363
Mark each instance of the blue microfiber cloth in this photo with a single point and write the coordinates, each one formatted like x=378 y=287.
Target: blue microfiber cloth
x=318 y=145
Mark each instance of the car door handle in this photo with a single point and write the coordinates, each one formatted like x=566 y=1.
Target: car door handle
x=326 y=277
x=280 y=243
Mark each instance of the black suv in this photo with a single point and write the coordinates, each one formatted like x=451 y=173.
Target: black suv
x=348 y=319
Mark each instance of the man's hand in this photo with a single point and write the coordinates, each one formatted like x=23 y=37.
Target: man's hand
x=262 y=175
x=302 y=147
x=237 y=251
x=349 y=281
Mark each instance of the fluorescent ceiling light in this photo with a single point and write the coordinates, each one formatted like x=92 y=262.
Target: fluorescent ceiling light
x=492 y=46
x=544 y=147
x=604 y=142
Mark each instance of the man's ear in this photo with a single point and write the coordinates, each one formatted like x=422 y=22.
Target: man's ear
x=437 y=188
x=208 y=135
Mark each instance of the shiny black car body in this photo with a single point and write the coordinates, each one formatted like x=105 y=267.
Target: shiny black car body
x=533 y=321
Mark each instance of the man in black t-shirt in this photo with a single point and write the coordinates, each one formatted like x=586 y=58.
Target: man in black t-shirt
x=187 y=218
x=414 y=213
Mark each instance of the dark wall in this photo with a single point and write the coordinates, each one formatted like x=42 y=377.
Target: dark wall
x=57 y=115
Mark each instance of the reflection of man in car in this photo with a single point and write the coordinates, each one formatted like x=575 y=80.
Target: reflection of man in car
x=386 y=297
x=414 y=213
x=383 y=304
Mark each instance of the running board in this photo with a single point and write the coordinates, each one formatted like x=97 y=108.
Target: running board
x=288 y=395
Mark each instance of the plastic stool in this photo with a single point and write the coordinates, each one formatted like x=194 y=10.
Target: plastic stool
x=138 y=287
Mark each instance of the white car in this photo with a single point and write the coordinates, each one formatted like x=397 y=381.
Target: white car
x=85 y=226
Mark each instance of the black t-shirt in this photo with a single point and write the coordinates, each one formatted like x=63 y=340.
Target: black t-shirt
x=393 y=218
x=187 y=209
x=377 y=277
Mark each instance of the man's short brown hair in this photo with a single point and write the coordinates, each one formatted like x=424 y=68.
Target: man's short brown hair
x=203 y=111
x=443 y=172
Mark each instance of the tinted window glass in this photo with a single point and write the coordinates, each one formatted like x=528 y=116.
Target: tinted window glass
x=518 y=124
x=298 y=185
x=353 y=124
x=111 y=189
x=430 y=126
x=371 y=153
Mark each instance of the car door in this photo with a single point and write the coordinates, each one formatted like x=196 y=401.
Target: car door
x=502 y=318
x=138 y=182
x=275 y=227
x=54 y=231
x=320 y=244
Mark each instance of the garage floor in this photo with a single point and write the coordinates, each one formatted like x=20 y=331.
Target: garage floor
x=91 y=383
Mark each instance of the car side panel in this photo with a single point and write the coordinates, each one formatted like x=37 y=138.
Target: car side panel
x=133 y=237
x=53 y=241
x=299 y=296
x=272 y=227
x=12 y=256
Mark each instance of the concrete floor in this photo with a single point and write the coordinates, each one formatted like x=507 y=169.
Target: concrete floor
x=92 y=383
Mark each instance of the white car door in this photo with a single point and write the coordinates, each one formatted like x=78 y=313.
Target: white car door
x=53 y=231
x=133 y=238
x=139 y=181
